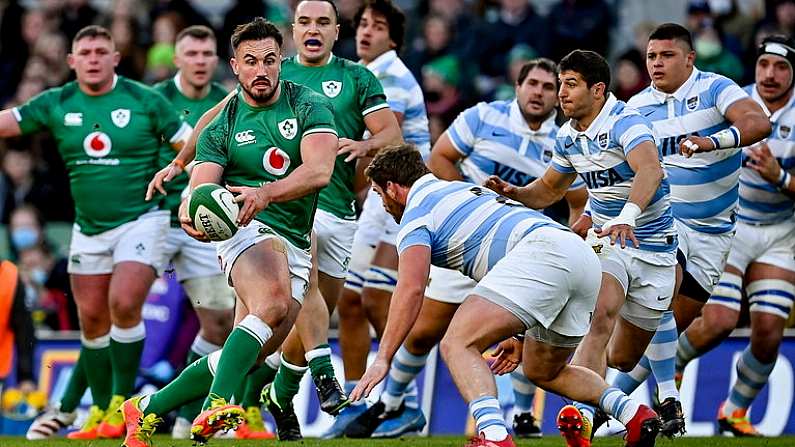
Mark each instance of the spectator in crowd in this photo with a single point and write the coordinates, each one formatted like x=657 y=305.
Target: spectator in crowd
x=45 y=274
x=51 y=48
x=74 y=15
x=579 y=24
x=19 y=184
x=459 y=18
x=712 y=55
x=125 y=30
x=160 y=58
x=519 y=55
x=515 y=22
x=241 y=11
x=346 y=41
x=630 y=75
x=443 y=98
x=783 y=17
x=434 y=42
x=25 y=229
x=12 y=55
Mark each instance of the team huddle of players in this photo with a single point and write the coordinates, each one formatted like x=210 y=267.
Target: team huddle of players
x=680 y=209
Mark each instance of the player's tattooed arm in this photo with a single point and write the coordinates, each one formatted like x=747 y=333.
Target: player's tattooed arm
x=540 y=193
x=444 y=157
x=413 y=270
x=9 y=126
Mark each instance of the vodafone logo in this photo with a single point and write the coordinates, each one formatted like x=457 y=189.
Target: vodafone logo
x=276 y=161
x=97 y=144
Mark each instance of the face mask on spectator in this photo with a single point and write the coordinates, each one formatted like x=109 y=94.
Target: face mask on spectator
x=24 y=237
x=707 y=47
x=38 y=275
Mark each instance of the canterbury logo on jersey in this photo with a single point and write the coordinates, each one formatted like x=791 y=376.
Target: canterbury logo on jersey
x=600 y=179
x=73 y=119
x=245 y=137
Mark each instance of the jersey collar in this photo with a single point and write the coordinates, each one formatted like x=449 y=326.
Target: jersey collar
x=419 y=184
x=377 y=64
x=680 y=93
x=176 y=82
x=520 y=125
x=330 y=58
x=601 y=119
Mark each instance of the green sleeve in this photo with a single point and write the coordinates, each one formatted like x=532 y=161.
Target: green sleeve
x=167 y=120
x=316 y=114
x=34 y=115
x=370 y=93
x=212 y=145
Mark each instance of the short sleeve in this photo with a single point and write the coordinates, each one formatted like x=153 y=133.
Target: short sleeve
x=370 y=94
x=212 y=143
x=632 y=130
x=560 y=161
x=34 y=115
x=167 y=120
x=315 y=114
x=417 y=236
x=464 y=129
x=398 y=95
x=724 y=92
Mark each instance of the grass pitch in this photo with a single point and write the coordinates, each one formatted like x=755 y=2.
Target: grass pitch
x=437 y=441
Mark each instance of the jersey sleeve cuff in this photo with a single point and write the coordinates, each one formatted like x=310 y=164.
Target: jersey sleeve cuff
x=374 y=108
x=17 y=115
x=320 y=130
x=182 y=134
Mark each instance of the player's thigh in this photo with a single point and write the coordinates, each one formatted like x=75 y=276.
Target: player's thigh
x=91 y=297
x=542 y=361
x=129 y=286
x=480 y=323
x=430 y=327
x=264 y=268
x=703 y=257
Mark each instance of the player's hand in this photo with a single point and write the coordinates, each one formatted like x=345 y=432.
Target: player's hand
x=763 y=162
x=507 y=356
x=354 y=149
x=582 y=225
x=620 y=233
x=373 y=376
x=500 y=186
x=251 y=200
x=164 y=175
x=692 y=145
x=187 y=223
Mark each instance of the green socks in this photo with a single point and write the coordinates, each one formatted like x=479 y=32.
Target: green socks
x=96 y=361
x=126 y=346
x=320 y=361
x=238 y=356
x=255 y=382
x=78 y=383
x=287 y=381
x=198 y=349
x=192 y=384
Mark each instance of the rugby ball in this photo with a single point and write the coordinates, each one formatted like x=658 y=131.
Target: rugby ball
x=214 y=211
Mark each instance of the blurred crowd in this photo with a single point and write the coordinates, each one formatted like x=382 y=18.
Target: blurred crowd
x=461 y=51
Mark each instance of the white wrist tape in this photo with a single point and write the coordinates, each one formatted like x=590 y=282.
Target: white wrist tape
x=726 y=138
x=784 y=178
x=628 y=215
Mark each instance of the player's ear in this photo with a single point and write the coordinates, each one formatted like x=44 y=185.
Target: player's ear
x=116 y=58
x=70 y=60
x=391 y=190
x=337 y=33
x=233 y=64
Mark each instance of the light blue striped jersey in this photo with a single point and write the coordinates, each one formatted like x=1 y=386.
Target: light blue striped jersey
x=467 y=227
x=599 y=155
x=704 y=187
x=404 y=95
x=760 y=201
x=494 y=139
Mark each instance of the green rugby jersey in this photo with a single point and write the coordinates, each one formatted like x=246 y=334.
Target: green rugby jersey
x=110 y=144
x=191 y=110
x=257 y=145
x=354 y=92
